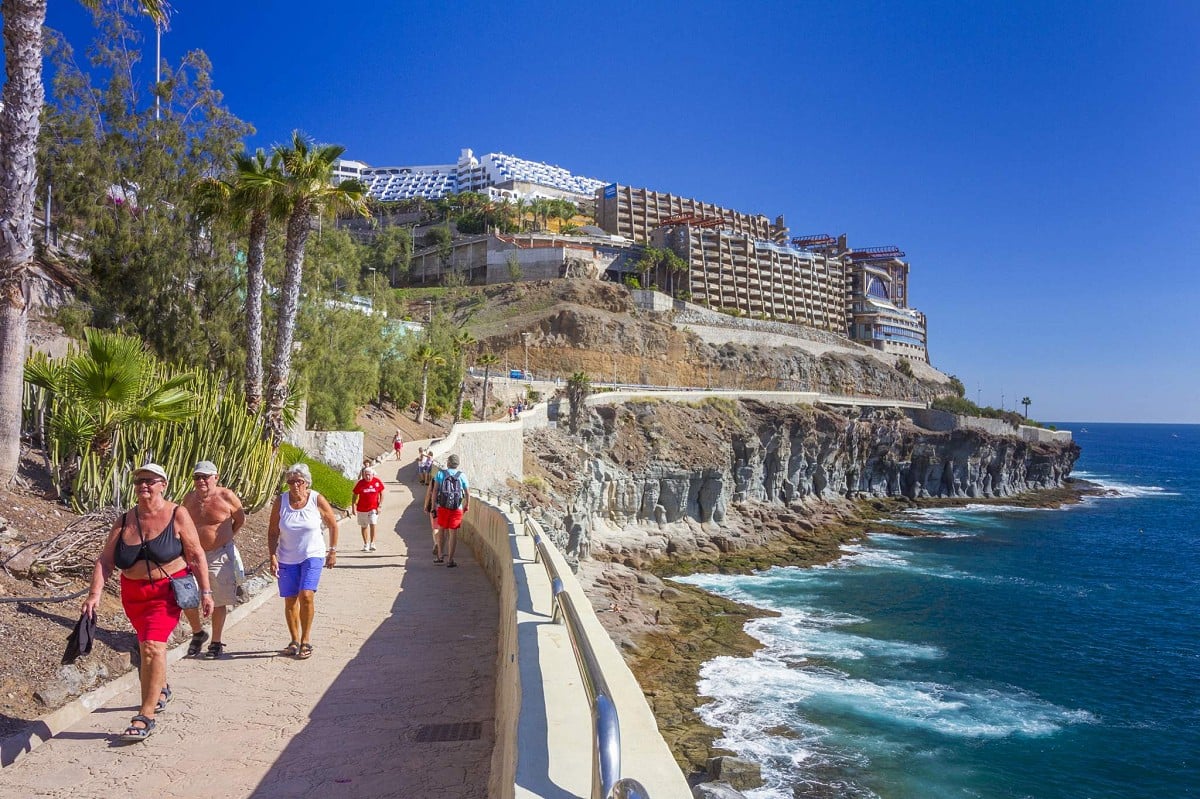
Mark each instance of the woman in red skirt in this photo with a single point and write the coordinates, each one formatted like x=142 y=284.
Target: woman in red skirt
x=151 y=542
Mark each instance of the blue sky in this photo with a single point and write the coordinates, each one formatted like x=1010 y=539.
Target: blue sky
x=1037 y=161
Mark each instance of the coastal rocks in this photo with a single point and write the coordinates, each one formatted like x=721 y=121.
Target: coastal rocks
x=715 y=790
x=664 y=478
x=734 y=771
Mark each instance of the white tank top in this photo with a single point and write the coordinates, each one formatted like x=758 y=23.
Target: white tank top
x=300 y=536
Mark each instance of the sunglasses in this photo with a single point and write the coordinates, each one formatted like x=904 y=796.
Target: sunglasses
x=147 y=481
x=199 y=478
x=295 y=482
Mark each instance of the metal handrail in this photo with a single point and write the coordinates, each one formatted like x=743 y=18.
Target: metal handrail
x=607 y=782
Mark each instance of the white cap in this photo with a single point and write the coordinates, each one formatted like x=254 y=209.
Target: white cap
x=153 y=468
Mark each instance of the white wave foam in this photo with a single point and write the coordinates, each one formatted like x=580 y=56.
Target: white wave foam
x=1119 y=489
x=762 y=706
x=763 y=691
x=801 y=636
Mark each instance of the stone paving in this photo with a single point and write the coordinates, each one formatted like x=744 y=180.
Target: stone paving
x=396 y=701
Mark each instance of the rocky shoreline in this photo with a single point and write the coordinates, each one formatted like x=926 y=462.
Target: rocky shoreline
x=668 y=630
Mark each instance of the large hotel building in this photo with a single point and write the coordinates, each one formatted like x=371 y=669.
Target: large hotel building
x=746 y=264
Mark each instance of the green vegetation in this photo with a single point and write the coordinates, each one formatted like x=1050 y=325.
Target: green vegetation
x=327 y=481
x=904 y=367
x=579 y=385
x=109 y=406
x=964 y=407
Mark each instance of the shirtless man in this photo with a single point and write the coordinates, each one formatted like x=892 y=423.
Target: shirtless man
x=218 y=514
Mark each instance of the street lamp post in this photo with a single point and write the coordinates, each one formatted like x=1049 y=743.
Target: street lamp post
x=525 y=337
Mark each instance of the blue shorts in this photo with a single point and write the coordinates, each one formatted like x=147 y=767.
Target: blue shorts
x=297 y=577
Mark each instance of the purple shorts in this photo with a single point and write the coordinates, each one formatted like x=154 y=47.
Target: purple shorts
x=297 y=577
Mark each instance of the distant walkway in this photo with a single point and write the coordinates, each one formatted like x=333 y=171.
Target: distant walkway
x=396 y=701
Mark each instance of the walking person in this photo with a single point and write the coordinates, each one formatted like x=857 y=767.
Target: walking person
x=151 y=542
x=298 y=553
x=368 y=493
x=397 y=443
x=448 y=495
x=218 y=515
x=424 y=466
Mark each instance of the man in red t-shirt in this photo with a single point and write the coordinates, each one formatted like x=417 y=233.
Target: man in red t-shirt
x=368 y=492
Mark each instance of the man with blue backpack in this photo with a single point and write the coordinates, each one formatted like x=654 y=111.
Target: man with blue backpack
x=449 y=495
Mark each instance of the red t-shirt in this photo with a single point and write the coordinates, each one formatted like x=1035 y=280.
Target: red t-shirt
x=368 y=493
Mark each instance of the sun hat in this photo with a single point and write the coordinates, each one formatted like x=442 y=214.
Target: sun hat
x=153 y=468
x=205 y=467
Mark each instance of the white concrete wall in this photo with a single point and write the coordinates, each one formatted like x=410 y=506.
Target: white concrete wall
x=341 y=449
x=489 y=452
x=543 y=722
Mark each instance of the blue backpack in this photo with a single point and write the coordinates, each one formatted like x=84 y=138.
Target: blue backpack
x=450 y=491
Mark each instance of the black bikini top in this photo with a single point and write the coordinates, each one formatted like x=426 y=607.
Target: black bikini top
x=163 y=548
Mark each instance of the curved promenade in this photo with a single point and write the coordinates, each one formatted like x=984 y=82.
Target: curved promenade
x=397 y=700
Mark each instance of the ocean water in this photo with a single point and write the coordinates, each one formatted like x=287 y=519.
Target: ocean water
x=1018 y=653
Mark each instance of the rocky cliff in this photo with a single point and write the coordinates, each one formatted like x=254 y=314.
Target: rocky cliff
x=669 y=487
x=668 y=478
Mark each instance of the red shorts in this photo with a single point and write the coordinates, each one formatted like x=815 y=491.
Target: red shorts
x=397 y=445
x=150 y=606
x=449 y=519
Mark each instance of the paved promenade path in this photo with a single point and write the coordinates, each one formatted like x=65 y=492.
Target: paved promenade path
x=396 y=701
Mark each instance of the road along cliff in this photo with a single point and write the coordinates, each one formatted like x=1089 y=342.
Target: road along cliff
x=648 y=489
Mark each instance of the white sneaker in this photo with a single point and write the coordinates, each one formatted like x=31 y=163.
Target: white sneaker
x=366 y=548
x=372 y=547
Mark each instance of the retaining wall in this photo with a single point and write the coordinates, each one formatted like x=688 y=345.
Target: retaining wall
x=489 y=452
x=543 y=722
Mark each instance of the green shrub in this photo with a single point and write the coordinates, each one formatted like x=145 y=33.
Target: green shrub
x=327 y=481
x=533 y=481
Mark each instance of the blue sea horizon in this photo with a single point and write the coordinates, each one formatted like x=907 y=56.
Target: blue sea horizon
x=1011 y=653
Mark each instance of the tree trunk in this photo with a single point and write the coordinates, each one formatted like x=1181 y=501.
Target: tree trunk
x=424 y=392
x=255 y=259
x=462 y=395
x=20 y=123
x=487 y=373
x=298 y=227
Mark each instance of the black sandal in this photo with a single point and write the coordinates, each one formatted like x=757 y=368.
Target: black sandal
x=164 y=697
x=306 y=651
x=135 y=733
x=292 y=649
x=215 y=650
x=196 y=643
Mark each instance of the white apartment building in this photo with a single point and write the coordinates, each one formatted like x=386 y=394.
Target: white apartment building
x=497 y=175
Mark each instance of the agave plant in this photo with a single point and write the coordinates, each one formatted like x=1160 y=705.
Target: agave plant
x=110 y=406
x=98 y=393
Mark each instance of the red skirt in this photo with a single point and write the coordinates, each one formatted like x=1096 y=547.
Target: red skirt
x=150 y=606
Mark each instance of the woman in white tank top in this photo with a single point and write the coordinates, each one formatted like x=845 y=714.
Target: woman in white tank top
x=298 y=553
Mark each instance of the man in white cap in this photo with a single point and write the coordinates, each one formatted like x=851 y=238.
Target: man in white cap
x=219 y=516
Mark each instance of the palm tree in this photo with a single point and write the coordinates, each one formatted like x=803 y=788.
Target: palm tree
x=106 y=386
x=521 y=205
x=426 y=356
x=251 y=191
x=579 y=385
x=20 y=124
x=487 y=361
x=462 y=342
x=307 y=189
x=1026 y=401
x=674 y=266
